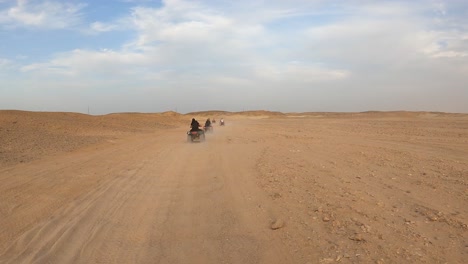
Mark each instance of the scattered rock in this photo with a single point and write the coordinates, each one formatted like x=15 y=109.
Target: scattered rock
x=276 y=195
x=277 y=224
x=365 y=228
x=336 y=223
x=357 y=237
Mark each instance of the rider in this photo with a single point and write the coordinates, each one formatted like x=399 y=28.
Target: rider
x=208 y=123
x=195 y=125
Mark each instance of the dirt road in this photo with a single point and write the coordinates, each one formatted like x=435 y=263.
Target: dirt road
x=152 y=199
x=257 y=191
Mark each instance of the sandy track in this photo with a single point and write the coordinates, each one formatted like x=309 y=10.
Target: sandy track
x=382 y=189
x=153 y=199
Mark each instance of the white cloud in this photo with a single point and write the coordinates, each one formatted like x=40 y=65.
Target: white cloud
x=296 y=72
x=81 y=63
x=384 y=37
x=41 y=14
x=5 y=63
x=179 y=22
x=450 y=54
x=446 y=44
x=190 y=40
x=102 y=27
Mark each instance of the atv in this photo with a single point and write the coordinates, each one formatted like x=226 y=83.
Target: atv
x=196 y=136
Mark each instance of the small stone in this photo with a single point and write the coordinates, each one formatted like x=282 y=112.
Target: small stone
x=357 y=237
x=325 y=219
x=276 y=195
x=365 y=228
x=277 y=224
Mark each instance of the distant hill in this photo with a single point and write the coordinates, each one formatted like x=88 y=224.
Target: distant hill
x=242 y=113
x=209 y=113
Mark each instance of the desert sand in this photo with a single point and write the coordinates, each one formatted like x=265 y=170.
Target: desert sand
x=374 y=187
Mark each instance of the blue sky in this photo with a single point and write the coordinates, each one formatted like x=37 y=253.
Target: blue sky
x=291 y=56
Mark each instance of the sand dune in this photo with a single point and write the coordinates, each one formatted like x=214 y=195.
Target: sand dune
x=372 y=187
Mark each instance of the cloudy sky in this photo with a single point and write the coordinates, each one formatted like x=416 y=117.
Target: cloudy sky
x=291 y=56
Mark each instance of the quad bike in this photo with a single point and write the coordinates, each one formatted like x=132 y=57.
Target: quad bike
x=196 y=136
x=208 y=129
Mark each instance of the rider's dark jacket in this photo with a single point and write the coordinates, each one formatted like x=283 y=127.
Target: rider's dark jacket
x=195 y=125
